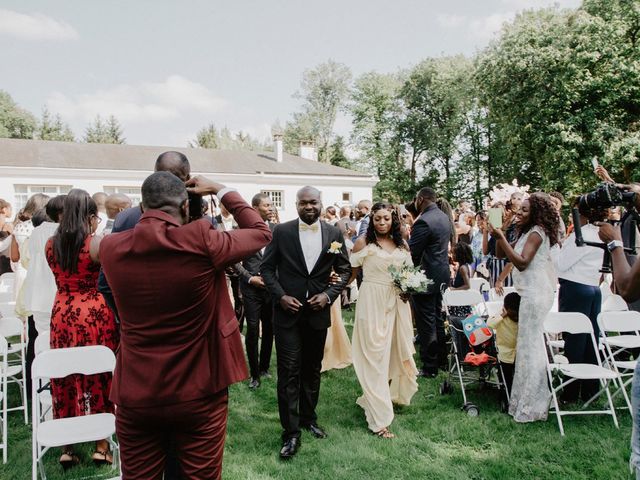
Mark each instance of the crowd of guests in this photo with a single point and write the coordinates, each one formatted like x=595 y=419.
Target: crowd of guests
x=92 y=270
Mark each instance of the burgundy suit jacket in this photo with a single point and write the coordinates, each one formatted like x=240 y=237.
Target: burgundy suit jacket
x=179 y=334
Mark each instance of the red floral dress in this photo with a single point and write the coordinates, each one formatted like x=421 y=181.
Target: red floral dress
x=80 y=317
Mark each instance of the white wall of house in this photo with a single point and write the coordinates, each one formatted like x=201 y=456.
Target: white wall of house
x=17 y=184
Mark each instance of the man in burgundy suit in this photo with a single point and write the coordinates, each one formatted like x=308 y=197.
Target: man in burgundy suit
x=180 y=345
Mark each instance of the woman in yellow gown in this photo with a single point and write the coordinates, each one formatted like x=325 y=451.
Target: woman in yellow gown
x=383 y=332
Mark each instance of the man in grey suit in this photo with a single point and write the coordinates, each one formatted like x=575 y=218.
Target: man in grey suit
x=429 y=244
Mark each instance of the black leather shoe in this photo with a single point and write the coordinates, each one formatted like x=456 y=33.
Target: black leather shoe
x=254 y=383
x=289 y=448
x=316 y=431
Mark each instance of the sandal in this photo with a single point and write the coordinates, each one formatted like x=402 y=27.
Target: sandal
x=69 y=459
x=384 y=433
x=102 y=457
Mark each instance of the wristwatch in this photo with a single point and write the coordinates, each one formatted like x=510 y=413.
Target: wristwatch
x=612 y=245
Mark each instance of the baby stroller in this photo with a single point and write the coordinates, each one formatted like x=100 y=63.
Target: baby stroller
x=472 y=364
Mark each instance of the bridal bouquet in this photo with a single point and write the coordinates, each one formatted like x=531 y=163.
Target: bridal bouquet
x=408 y=279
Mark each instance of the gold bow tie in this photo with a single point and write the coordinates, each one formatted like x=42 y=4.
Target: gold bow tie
x=313 y=228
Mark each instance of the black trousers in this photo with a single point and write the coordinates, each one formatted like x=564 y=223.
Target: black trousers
x=430 y=325
x=299 y=351
x=258 y=308
x=31 y=352
x=587 y=299
x=508 y=369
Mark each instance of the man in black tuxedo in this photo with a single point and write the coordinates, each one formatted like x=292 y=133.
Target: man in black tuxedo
x=258 y=307
x=429 y=244
x=296 y=268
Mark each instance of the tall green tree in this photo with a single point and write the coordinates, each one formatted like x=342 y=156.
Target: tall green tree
x=101 y=131
x=435 y=101
x=563 y=87
x=15 y=121
x=324 y=91
x=51 y=127
x=376 y=110
x=338 y=156
x=207 y=137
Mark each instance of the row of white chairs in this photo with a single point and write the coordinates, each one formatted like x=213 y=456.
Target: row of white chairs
x=616 y=371
x=50 y=433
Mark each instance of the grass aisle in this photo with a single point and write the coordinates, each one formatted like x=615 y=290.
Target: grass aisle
x=435 y=440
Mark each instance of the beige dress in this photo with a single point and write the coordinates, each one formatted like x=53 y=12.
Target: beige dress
x=382 y=338
x=337 y=348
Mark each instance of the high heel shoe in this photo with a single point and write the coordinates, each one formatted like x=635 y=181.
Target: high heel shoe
x=68 y=459
x=102 y=457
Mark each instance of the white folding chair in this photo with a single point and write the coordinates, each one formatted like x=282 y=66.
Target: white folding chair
x=617 y=345
x=614 y=303
x=59 y=363
x=7 y=282
x=13 y=329
x=3 y=397
x=480 y=284
x=575 y=323
x=464 y=298
x=494 y=297
x=42 y=344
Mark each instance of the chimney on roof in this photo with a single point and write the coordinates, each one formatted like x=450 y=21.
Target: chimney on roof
x=277 y=146
x=308 y=150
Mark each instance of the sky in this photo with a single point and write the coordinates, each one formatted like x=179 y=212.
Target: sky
x=167 y=68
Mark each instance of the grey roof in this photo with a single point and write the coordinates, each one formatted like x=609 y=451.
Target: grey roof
x=41 y=153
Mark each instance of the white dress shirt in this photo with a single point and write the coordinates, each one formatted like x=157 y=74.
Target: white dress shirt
x=311 y=243
x=581 y=264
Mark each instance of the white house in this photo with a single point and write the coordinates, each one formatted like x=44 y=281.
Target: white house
x=31 y=166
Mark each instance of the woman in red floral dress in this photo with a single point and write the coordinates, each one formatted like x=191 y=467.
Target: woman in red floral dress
x=79 y=317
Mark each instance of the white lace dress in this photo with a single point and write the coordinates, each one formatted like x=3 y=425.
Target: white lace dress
x=536 y=284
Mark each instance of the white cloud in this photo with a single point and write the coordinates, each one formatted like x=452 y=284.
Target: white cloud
x=35 y=27
x=529 y=4
x=485 y=28
x=144 y=102
x=451 y=21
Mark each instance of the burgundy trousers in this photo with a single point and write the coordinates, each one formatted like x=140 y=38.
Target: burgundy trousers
x=196 y=429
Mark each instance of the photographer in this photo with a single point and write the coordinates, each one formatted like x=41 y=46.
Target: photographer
x=578 y=269
x=627 y=280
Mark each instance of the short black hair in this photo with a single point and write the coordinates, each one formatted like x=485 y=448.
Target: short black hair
x=462 y=253
x=428 y=193
x=174 y=162
x=55 y=207
x=257 y=199
x=512 y=304
x=163 y=189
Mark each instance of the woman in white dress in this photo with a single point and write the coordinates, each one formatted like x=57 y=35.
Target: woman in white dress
x=535 y=280
x=383 y=333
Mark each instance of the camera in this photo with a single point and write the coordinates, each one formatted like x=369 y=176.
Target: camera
x=606 y=195
x=195 y=206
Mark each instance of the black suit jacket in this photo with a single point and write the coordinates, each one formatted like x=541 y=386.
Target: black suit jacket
x=250 y=266
x=429 y=244
x=285 y=273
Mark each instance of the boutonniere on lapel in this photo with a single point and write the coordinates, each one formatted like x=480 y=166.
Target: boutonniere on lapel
x=335 y=248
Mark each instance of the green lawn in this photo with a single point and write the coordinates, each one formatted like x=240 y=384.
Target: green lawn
x=434 y=440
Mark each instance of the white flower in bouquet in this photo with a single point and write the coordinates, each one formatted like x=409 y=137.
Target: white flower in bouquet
x=409 y=279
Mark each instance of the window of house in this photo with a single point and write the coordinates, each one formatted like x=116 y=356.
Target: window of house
x=277 y=198
x=346 y=197
x=132 y=192
x=23 y=192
